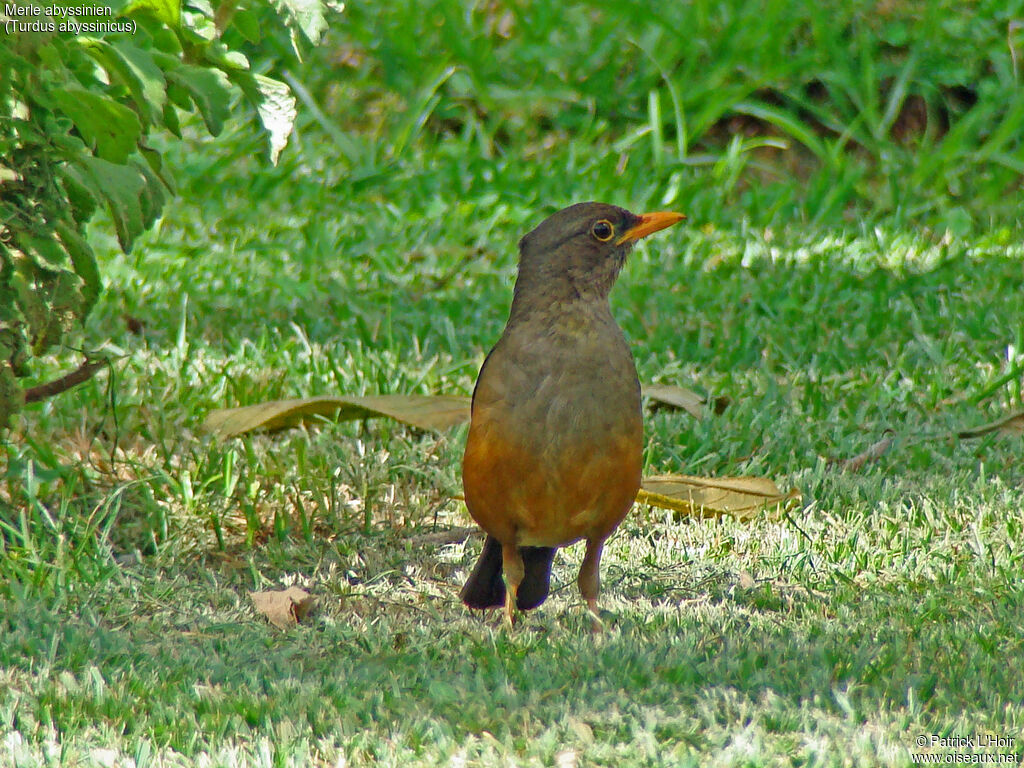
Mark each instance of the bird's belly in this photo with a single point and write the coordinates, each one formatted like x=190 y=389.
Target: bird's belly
x=552 y=528
x=549 y=484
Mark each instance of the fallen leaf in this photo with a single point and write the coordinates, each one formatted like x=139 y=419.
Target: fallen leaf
x=1012 y=425
x=676 y=397
x=284 y=608
x=740 y=497
x=428 y=412
x=581 y=730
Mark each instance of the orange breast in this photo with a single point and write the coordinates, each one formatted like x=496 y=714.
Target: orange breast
x=539 y=488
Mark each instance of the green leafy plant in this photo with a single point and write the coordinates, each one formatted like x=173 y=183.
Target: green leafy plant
x=81 y=97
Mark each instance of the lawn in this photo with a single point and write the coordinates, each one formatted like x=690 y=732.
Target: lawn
x=850 y=272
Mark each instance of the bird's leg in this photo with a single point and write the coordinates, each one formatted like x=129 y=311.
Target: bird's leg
x=514 y=570
x=589 y=580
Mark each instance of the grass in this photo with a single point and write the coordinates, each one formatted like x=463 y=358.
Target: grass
x=861 y=279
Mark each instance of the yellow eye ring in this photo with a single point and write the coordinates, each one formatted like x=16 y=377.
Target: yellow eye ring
x=603 y=230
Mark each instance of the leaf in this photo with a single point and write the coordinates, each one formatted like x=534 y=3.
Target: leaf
x=84 y=261
x=122 y=186
x=136 y=68
x=150 y=85
x=740 y=497
x=676 y=397
x=32 y=303
x=209 y=89
x=284 y=608
x=45 y=251
x=1012 y=425
x=167 y=11
x=156 y=164
x=112 y=128
x=153 y=193
x=276 y=107
x=247 y=22
x=81 y=189
x=307 y=15
x=171 y=119
x=428 y=412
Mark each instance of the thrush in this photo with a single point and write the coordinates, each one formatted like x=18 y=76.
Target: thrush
x=555 y=443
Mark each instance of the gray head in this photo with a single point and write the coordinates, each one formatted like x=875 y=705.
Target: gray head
x=579 y=251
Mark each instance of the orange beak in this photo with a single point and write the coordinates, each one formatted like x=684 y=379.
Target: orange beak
x=649 y=223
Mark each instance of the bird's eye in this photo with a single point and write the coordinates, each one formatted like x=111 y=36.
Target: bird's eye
x=603 y=230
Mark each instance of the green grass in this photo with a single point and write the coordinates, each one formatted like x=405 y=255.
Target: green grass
x=844 y=271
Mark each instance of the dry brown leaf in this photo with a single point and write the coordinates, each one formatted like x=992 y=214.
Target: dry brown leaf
x=284 y=608
x=740 y=497
x=692 y=496
x=1012 y=425
x=428 y=412
x=746 y=581
x=676 y=397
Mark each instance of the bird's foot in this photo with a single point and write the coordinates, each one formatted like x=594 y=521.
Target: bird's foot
x=598 y=626
x=510 y=609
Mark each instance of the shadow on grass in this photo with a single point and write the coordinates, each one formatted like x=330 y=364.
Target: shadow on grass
x=939 y=652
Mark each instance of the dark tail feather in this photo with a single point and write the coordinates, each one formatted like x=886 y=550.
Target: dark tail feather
x=485 y=587
x=537 y=581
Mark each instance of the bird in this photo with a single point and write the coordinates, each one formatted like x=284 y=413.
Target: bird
x=555 y=443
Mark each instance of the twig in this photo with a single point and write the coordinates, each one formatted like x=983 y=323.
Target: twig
x=440 y=282
x=1008 y=425
x=873 y=453
x=83 y=373
x=440 y=538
